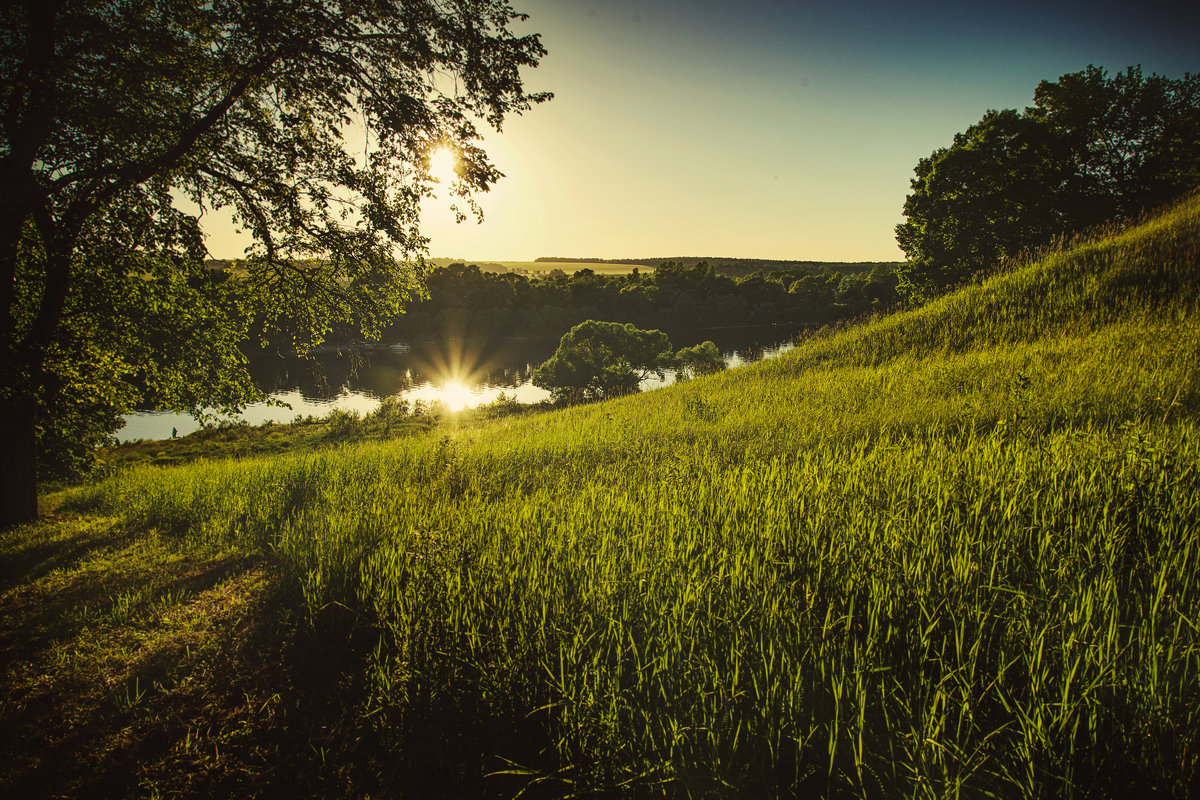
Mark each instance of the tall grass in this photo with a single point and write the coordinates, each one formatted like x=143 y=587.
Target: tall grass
x=953 y=553
x=1152 y=269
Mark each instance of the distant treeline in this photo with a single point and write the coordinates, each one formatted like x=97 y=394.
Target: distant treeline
x=466 y=300
x=736 y=267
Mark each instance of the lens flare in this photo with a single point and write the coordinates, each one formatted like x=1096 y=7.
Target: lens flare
x=457 y=371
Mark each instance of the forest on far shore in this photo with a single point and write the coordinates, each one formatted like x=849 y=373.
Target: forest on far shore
x=734 y=267
x=673 y=295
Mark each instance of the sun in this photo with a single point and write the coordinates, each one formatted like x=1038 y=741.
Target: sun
x=443 y=165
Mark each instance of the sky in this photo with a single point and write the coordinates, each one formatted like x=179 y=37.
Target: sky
x=760 y=129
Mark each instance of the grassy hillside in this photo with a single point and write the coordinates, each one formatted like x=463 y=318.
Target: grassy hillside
x=950 y=553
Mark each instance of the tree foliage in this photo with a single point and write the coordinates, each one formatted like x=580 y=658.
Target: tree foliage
x=465 y=298
x=603 y=359
x=699 y=359
x=1092 y=148
x=123 y=124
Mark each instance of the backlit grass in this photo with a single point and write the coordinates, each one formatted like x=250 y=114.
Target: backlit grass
x=951 y=553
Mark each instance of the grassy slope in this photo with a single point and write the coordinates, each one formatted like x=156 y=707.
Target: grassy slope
x=951 y=552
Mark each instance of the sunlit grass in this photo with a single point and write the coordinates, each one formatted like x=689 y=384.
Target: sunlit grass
x=952 y=553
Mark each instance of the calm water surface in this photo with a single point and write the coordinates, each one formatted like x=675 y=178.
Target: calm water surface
x=457 y=374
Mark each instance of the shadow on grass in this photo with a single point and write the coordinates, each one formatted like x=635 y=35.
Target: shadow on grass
x=136 y=667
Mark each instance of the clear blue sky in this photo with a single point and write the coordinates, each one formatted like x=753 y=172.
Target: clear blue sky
x=769 y=129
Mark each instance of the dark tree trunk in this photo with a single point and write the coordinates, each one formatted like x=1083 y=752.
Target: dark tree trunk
x=18 y=415
x=18 y=464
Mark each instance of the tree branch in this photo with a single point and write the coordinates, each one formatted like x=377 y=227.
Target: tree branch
x=243 y=190
x=137 y=173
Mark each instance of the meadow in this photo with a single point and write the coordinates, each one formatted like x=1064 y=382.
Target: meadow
x=952 y=552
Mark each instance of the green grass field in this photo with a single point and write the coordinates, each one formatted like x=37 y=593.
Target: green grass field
x=950 y=553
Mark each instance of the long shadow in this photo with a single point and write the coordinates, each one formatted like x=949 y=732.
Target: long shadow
x=262 y=702
x=29 y=562
x=32 y=621
x=58 y=711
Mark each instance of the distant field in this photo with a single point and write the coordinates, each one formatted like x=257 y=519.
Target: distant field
x=542 y=267
x=734 y=267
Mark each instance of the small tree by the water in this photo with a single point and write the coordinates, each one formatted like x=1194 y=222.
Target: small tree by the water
x=700 y=359
x=603 y=359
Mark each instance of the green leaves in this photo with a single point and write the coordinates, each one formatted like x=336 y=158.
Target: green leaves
x=1091 y=149
x=700 y=359
x=603 y=359
x=123 y=125
x=989 y=195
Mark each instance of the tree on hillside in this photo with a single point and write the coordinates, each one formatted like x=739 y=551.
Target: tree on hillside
x=122 y=124
x=1092 y=148
x=1133 y=141
x=602 y=359
x=995 y=191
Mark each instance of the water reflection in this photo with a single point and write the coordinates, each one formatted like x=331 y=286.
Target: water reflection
x=389 y=370
x=460 y=374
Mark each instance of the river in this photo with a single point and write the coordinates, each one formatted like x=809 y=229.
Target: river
x=459 y=374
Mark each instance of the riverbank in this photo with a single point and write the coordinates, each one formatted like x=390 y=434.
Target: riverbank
x=463 y=373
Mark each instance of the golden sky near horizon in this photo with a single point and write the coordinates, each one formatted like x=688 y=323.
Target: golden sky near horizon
x=762 y=129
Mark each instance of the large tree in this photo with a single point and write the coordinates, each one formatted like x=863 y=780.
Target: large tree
x=123 y=122
x=1092 y=148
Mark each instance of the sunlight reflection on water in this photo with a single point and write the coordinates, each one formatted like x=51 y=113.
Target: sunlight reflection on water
x=454 y=394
